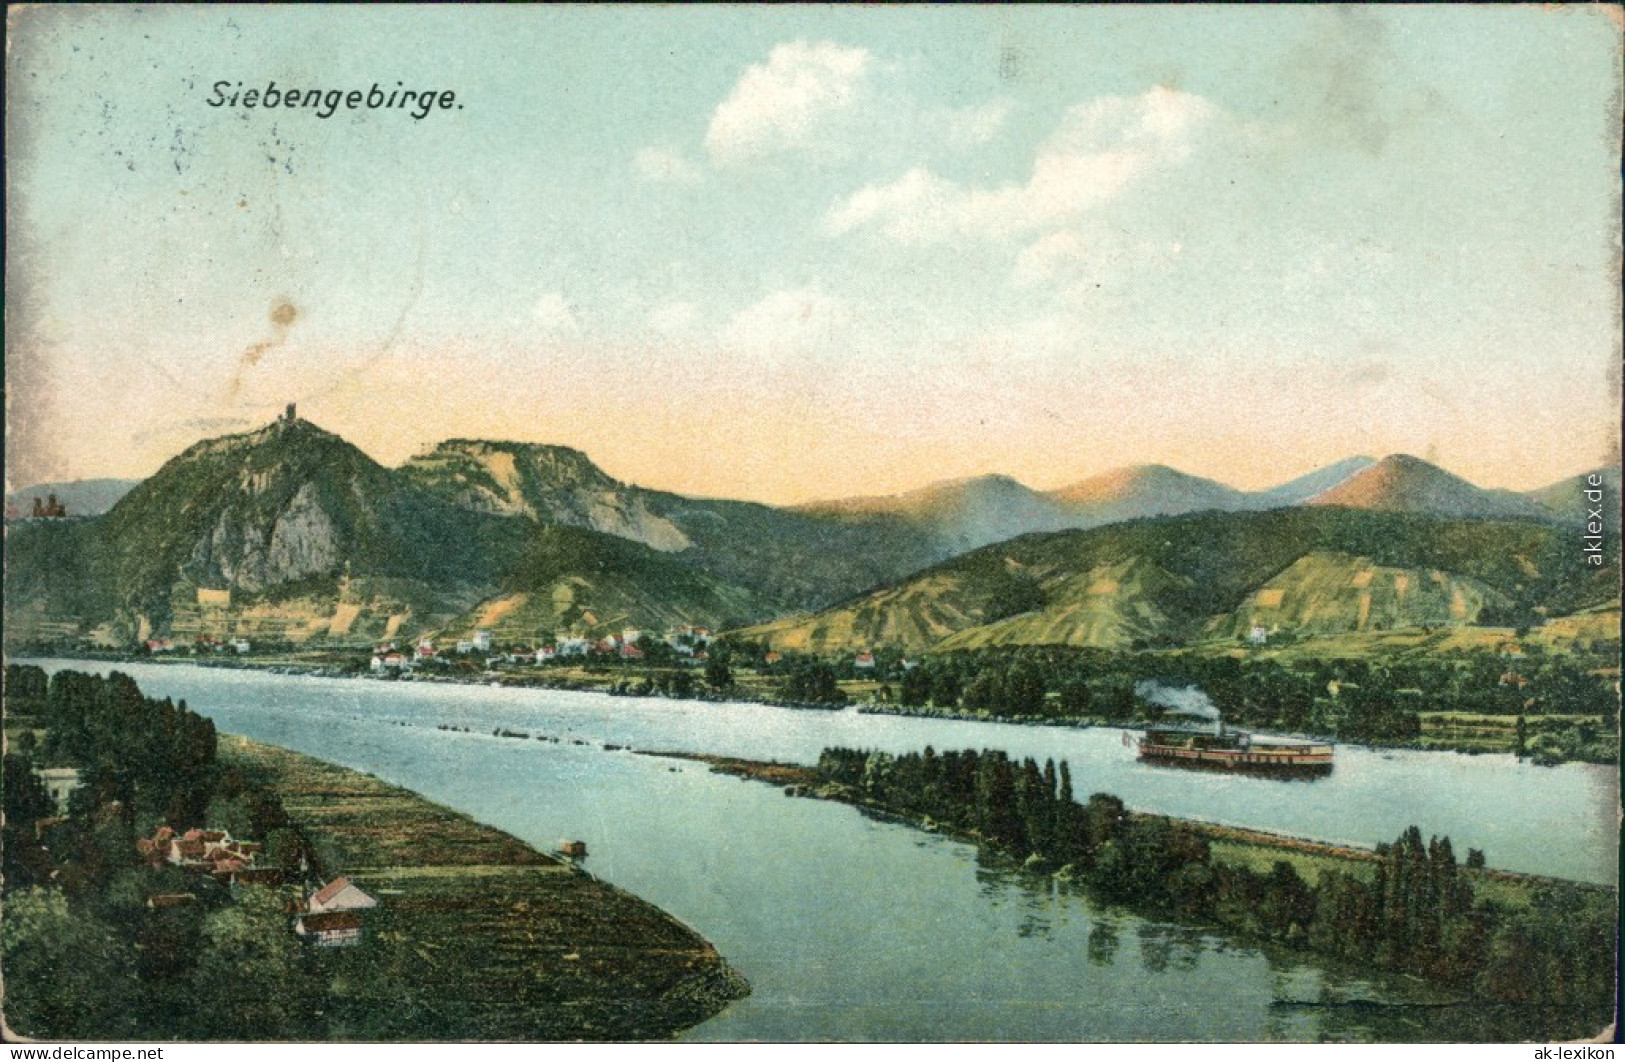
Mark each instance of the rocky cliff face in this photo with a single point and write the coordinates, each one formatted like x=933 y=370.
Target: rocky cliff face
x=548 y=484
x=243 y=551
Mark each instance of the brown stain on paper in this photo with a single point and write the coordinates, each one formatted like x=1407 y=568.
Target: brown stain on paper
x=283 y=314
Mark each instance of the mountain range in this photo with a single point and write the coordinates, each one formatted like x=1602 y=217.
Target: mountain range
x=967 y=513
x=291 y=533
x=1300 y=571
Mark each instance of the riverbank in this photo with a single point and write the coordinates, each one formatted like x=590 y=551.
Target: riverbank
x=1242 y=847
x=1465 y=733
x=1238 y=844
x=634 y=682
x=479 y=936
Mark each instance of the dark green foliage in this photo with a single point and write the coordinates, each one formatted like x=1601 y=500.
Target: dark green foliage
x=1011 y=593
x=149 y=756
x=718 y=672
x=812 y=682
x=1355 y=700
x=254 y=972
x=25 y=685
x=85 y=955
x=25 y=859
x=68 y=976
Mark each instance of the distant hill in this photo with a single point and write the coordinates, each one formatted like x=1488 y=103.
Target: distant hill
x=1567 y=498
x=286 y=503
x=1177 y=580
x=1299 y=490
x=963 y=514
x=960 y=514
x=547 y=484
x=1141 y=491
x=81 y=497
x=1404 y=484
x=287 y=511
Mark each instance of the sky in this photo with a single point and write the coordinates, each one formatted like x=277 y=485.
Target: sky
x=802 y=252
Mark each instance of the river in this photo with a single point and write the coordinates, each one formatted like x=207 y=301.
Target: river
x=853 y=928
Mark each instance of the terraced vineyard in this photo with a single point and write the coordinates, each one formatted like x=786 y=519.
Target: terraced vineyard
x=478 y=935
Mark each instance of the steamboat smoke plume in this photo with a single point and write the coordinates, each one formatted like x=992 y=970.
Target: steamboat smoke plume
x=1188 y=701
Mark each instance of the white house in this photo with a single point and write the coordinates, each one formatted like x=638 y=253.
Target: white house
x=1258 y=635
x=59 y=783
x=482 y=641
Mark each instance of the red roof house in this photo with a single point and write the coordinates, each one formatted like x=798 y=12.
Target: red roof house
x=340 y=895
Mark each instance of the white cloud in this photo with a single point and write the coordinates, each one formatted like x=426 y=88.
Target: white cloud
x=1098 y=150
x=666 y=166
x=797 y=320
x=674 y=317
x=969 y=126
x=783 y=102
x=555 y=314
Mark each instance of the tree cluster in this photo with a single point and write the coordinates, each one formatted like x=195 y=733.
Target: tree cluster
x=1418 y=914
x=86 y=955
x=1355 y=700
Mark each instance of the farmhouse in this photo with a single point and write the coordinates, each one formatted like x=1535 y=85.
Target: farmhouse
x=340 y=894
x=330 y=929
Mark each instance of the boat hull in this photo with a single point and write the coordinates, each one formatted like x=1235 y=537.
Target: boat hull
x=1288 y=761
